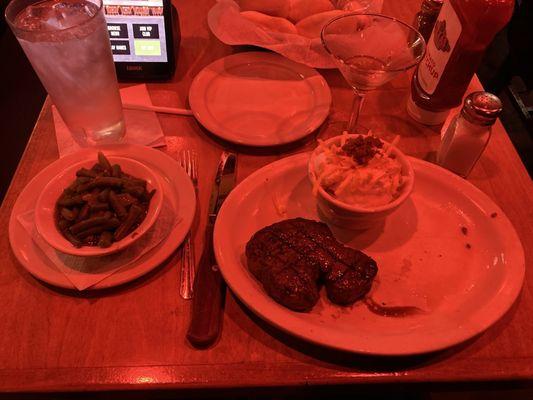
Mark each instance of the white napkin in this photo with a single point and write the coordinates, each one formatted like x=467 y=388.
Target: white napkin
x=142 y=127
x=231 y=28
x=84 y=272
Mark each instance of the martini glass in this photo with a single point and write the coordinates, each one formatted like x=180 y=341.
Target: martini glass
x=370 y=50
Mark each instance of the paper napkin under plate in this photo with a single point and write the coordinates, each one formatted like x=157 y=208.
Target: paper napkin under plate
x=84 y=272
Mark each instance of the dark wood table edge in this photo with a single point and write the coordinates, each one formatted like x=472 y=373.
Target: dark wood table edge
x=418 y=391
x=216 y=377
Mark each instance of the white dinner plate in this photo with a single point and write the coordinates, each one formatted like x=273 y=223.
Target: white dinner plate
x=177 y=188
x=259 y=99
x=448 y=250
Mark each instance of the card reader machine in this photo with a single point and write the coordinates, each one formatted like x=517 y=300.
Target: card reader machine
x=144 y=36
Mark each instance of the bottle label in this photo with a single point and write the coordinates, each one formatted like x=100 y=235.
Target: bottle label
x=439 y=48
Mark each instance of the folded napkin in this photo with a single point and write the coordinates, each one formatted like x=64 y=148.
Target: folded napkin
x=142 y=127
x=84 y=272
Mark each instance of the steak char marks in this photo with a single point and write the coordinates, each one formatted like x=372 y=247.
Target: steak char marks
x=292 y=258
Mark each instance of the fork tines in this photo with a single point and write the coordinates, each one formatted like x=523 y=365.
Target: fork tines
x=189 y=162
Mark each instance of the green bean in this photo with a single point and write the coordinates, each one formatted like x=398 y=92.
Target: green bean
x=110 y=224
x=116 y=171
x=83 y=179
x=82 y=188
x=148 y=195
x=73 y=187
x=127 y=199
x=80 y=181
x=106 y=239
x=105 y=181
x=133 y=214
x=84 y=172
x=63 y=224
x=117 y=206
x=104 y=195
x=131 y=181
x=69 y=215
x=104 y=162
x=99 y=207
x=70 y=201
x=89 y=198
x=84 y=213
x=97 y=168
x=72 y=239
x=88 y=223
x=136 y=191
x=67 y=193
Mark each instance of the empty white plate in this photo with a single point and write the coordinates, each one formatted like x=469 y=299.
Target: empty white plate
x=259 y=99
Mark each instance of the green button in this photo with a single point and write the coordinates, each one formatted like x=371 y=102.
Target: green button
x=147 y=47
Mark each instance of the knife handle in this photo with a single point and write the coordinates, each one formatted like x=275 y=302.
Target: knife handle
x=208 y=300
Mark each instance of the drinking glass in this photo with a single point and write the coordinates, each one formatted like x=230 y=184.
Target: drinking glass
x=68 y=46
x=370 y=50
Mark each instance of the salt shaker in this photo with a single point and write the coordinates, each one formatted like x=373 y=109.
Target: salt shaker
x=468 y=133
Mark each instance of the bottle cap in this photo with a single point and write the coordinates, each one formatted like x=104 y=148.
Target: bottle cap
x=481 y=108
x=424 y=116
x=432 y=5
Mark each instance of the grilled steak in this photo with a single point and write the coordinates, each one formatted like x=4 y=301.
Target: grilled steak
x=292 y=258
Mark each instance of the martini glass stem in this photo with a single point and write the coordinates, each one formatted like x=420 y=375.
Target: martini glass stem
x=356 y=110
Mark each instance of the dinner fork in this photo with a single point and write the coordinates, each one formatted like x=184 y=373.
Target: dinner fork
x=189 y=162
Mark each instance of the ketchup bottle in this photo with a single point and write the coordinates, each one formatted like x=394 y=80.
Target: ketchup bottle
x=463 y=30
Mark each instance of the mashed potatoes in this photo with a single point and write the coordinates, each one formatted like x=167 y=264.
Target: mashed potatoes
x=359 y=171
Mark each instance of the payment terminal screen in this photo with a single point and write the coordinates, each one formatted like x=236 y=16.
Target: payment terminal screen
x=136 y=30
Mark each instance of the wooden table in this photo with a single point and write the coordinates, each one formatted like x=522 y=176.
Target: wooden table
x=133 y=337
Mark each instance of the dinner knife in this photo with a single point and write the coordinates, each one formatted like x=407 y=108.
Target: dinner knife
x=209 y=287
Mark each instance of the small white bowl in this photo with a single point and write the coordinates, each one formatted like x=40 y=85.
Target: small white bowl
x=353 y=216
x=45 y=207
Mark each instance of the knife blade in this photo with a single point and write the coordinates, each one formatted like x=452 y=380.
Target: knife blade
x=209 y=287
